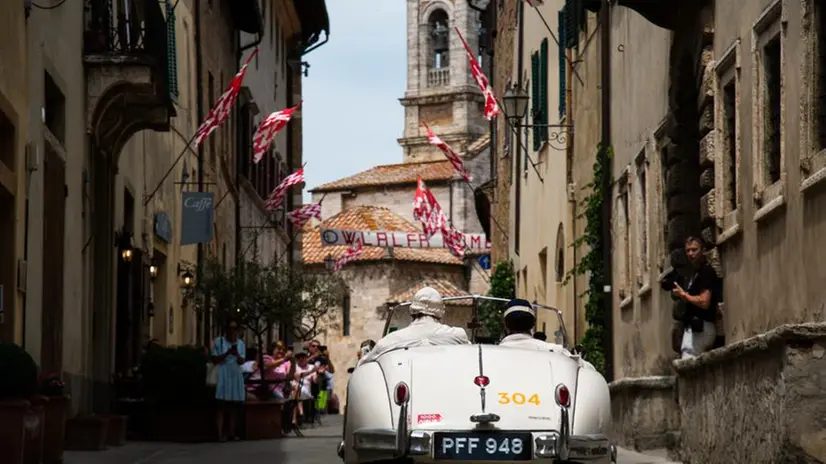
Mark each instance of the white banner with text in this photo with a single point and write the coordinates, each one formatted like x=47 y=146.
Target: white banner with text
x=392 y=239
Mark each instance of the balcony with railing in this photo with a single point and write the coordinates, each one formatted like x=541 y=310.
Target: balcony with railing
x=130 y=55
x=438 y=77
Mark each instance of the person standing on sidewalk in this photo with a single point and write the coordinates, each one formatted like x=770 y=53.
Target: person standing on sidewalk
x=229 y=353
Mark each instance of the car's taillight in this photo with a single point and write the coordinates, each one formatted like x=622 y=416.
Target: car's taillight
x=563 y=396
x=481 y=381
x=401 y=394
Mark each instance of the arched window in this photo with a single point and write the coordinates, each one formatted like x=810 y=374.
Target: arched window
x=560 y=254
x=439 y=27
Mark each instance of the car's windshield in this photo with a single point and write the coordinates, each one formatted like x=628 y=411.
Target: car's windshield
x=478 y=315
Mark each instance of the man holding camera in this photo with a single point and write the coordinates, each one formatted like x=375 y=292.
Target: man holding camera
x=699 y=298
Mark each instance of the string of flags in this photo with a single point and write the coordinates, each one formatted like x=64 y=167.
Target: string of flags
x=426 y=208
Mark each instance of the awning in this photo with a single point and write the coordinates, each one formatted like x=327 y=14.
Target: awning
x=664 y=13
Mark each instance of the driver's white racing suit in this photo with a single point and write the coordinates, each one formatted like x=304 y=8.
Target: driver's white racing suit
x=424 y=331
x=527 y=342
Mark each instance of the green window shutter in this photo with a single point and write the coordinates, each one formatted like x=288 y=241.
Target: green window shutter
x=581 y=14
x=171 y=50
x=571 y=23
x=535 y=99
x=562 y=61
x=543 y=89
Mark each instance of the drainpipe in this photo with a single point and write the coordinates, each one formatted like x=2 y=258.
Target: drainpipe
x=605 y=52
x=203 y=337
x=239 y=141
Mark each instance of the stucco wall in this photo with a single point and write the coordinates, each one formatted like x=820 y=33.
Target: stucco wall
x=13 y=101
x=55 y=44
x=639 y=104
x=773 y=266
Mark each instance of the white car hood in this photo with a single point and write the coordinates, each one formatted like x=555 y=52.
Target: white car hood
x=444 y=395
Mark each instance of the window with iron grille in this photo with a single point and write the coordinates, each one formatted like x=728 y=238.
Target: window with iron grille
x=772 y=123
x=730 y=138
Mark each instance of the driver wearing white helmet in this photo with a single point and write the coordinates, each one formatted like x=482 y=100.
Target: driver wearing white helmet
x=426 y=310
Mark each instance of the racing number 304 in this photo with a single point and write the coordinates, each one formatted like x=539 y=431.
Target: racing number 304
x=518 y=398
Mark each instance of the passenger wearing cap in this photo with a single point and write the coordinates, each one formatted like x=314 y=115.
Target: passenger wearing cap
x=426 y=310
x=520 y=320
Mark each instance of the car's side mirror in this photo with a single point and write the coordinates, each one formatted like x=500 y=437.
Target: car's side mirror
x=350 y=370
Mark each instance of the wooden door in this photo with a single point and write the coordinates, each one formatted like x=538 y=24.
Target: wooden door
x=54 y=216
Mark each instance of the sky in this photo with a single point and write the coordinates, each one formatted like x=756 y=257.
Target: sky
x=351 y=114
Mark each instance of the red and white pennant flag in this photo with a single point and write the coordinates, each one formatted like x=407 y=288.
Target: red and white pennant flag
x=278 y=193
x=220 y=112
x=491 y=106
x=451 y=155
x=351 y=255
x=263 y=137
x=426 y=209
x=302 y=215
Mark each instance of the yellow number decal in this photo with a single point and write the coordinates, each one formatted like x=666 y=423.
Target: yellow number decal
x=518 y=398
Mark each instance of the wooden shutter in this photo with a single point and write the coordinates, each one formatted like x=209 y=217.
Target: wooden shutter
x=535 y=99
x=171 y=50
x=571 y=23
x=772 y=71
x=543 y=90
x=562 y=63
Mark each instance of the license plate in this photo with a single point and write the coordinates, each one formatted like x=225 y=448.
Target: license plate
x=483 y=446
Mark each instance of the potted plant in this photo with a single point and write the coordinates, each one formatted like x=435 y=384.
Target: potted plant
x=261 y=296
x=55 y=405
x=178 y=402
x=19 y=373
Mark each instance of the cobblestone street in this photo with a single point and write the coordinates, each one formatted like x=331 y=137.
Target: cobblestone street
x=318 y=446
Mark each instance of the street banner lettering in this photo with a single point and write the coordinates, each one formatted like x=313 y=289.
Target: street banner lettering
x=394 y=239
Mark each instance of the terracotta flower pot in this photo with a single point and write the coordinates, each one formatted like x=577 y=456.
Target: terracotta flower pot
x=34 y=425
x=263 y=420
x=87 y=433
x=13 y=430
x=116 y=433
x=54 y=432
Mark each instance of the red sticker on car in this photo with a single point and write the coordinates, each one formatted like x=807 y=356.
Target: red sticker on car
x=428 y=418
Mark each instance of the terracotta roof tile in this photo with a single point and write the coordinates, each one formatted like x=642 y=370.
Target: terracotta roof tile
x=369 y=218
x=445 y=287
x=392 y=174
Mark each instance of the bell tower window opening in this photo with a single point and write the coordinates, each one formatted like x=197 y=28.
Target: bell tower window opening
x=439 y=28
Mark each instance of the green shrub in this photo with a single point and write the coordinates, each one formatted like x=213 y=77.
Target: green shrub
x=502 y=285
x=175 y=377
x=18 y=372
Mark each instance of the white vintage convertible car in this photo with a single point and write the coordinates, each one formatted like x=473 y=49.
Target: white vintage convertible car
x=477 y=403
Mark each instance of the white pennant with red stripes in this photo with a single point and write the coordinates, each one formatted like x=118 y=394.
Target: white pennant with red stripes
x=491 y=106
x=302 y=215
x=264 y=135
x=351 y=255
x=220 y=112
x=276 y=198
x=451 y=155
x=426 y=209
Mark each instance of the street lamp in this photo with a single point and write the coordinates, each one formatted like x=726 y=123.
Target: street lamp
x=330 y=262
x=516 y=104
x=153 y=272
x=187 y=278
x=123 y=240
x=479 y=5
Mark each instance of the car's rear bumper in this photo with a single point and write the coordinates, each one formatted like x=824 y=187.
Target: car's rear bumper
x=380 y=444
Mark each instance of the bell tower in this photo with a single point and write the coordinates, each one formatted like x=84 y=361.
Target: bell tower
x=440 y=88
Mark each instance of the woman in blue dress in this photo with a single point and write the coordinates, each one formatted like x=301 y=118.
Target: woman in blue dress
x=228 y=353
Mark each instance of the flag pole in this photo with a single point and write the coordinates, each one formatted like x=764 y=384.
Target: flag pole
x=171 y=168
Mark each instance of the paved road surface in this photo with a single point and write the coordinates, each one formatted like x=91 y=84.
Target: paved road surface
x=318 y=446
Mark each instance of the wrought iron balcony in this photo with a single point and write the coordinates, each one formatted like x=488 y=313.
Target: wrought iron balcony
x=130 y=32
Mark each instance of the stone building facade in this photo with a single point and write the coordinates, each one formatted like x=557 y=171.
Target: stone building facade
x=378 y=280
x=724 y=144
